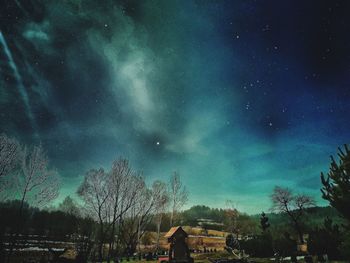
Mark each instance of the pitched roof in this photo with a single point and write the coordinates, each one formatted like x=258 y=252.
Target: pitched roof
x=173 y=230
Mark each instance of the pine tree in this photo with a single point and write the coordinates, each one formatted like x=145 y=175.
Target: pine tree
x=264 y=222
x=336 y=185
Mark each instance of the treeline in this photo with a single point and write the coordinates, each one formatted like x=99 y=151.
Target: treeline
x=219 y=219
x=53 y=224
x=68 y=223
x=63 y=221
x=250 y=224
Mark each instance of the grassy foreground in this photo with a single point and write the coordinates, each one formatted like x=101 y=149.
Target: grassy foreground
x=204 y=258
x=257 y=260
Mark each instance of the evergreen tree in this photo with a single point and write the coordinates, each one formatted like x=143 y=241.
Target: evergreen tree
x=336 y=185
x=264 y=222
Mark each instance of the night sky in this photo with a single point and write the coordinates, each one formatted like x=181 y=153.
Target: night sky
x=237 y=96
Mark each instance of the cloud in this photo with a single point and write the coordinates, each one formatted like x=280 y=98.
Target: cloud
x=114 y=78
x=37 y=32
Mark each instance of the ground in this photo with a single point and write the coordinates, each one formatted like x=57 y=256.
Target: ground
x=203 y=258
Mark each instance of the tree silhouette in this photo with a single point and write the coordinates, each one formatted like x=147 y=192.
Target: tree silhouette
x=178 y=195
x=283 y=200
x=10 y=154
x=336 y=185
x=264 y=222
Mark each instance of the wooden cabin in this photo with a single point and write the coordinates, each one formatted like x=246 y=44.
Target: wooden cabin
x=178 y=251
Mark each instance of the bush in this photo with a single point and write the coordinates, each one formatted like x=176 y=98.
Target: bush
x=326 y=240
x=285 y=246
x=345 y=246
x=259 y=246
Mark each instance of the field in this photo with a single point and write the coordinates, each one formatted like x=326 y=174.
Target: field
x=204 y=258
x=198 y=258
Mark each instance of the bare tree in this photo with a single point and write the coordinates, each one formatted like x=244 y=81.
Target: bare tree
x=178 y=195
x=232 y=215
x=10 y=153
x=31 y=179
x=94 y=190
x=141 y=214
x=37 y=183
x=124 y=185
x=294 y=206
x=160 y=188
x=135 y=220
x=108 y=196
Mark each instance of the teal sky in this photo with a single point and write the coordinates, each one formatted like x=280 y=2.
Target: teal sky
x=236 y=96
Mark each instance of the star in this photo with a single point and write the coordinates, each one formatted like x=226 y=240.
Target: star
x=158 y=143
